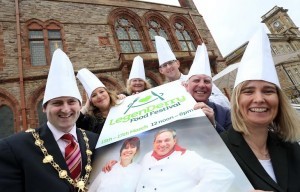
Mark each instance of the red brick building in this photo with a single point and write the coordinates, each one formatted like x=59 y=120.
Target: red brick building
x=101 y=35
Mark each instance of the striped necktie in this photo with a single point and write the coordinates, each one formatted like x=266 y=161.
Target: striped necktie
x=72 y=156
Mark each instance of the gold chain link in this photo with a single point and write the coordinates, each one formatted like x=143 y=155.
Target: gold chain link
x=63 y=174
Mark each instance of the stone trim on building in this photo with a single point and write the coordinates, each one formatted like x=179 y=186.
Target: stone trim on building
x=36 y=24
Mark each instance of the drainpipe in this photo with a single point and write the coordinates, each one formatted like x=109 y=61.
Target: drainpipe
x=20 y=67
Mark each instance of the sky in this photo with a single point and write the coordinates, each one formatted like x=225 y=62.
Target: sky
x=233 y=22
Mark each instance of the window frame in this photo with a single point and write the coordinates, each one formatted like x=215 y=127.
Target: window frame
x=189 y=27
x=129 y=37
x=136 y=21
x=164 y=24
x=12 y=128
x=45 y=27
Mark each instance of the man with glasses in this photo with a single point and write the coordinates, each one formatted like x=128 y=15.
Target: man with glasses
x=168 y=64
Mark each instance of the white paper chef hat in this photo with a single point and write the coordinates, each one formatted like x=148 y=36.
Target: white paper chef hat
x=164 y=52
x=257 y=62
x=89 y=81
x=201 y=65
x=61 y=80
x=137 y=69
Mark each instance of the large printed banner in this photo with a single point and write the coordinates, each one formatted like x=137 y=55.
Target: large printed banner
x=148 y=110
x=155 y=141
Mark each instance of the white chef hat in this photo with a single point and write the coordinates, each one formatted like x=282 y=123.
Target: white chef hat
x=137 y=69
x=164 y=52
x=89 y=81
x=201 y=65
x=61 y=80
x=257 y=62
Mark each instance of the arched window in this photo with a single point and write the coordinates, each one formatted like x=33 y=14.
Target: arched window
x=7 y=121
x=44 y=39
x=158 y=25
x=184 y=37
x=155 y=29
x=41 y=115
x=128 y=36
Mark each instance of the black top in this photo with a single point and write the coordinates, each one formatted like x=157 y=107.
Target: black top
x=222 y=116
x=90 y=123
x=285 y=159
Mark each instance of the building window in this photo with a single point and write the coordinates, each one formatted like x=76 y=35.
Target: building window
x=44 y=38
x=155 y=29
x=290 y=74
x=281 y=49
x=55 y=41
x=39 y=44
x=128 y=36
x=37 y=48
x=297 y=46
x=41 y=115
x=289 y=48
x=297 y=73
x=275 y=50
x=7 y=121
x=184 y=37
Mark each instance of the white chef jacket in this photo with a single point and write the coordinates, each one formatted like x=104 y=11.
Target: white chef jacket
x=183 y=172
x=218 y=97
x=119 y=179
x=182 y=78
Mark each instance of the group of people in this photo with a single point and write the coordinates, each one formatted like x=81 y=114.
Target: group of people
x=198 y=83
x=260 y=128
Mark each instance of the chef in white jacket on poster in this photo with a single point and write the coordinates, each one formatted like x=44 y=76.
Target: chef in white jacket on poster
x=124 y=175
x=171 y=168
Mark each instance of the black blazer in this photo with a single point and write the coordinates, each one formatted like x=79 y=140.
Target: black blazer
x=90 y=123
x=21 y=162
x=285 y=158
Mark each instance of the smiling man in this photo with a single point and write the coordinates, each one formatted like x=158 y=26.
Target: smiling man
x=168 y=64
x=199 y=85
x=56 y=156
x=169 y=168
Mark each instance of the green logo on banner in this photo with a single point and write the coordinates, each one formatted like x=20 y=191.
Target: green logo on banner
x=137 y=102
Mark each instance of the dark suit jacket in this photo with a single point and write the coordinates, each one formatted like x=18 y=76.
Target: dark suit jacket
x=285 y=158
x=222 y=116
x=22 y=167
x=90 y=123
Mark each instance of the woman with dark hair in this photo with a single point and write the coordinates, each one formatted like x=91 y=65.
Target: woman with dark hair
x=100 y=100
x=124 y=175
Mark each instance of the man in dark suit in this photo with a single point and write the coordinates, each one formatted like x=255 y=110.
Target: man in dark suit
x=57 y=156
